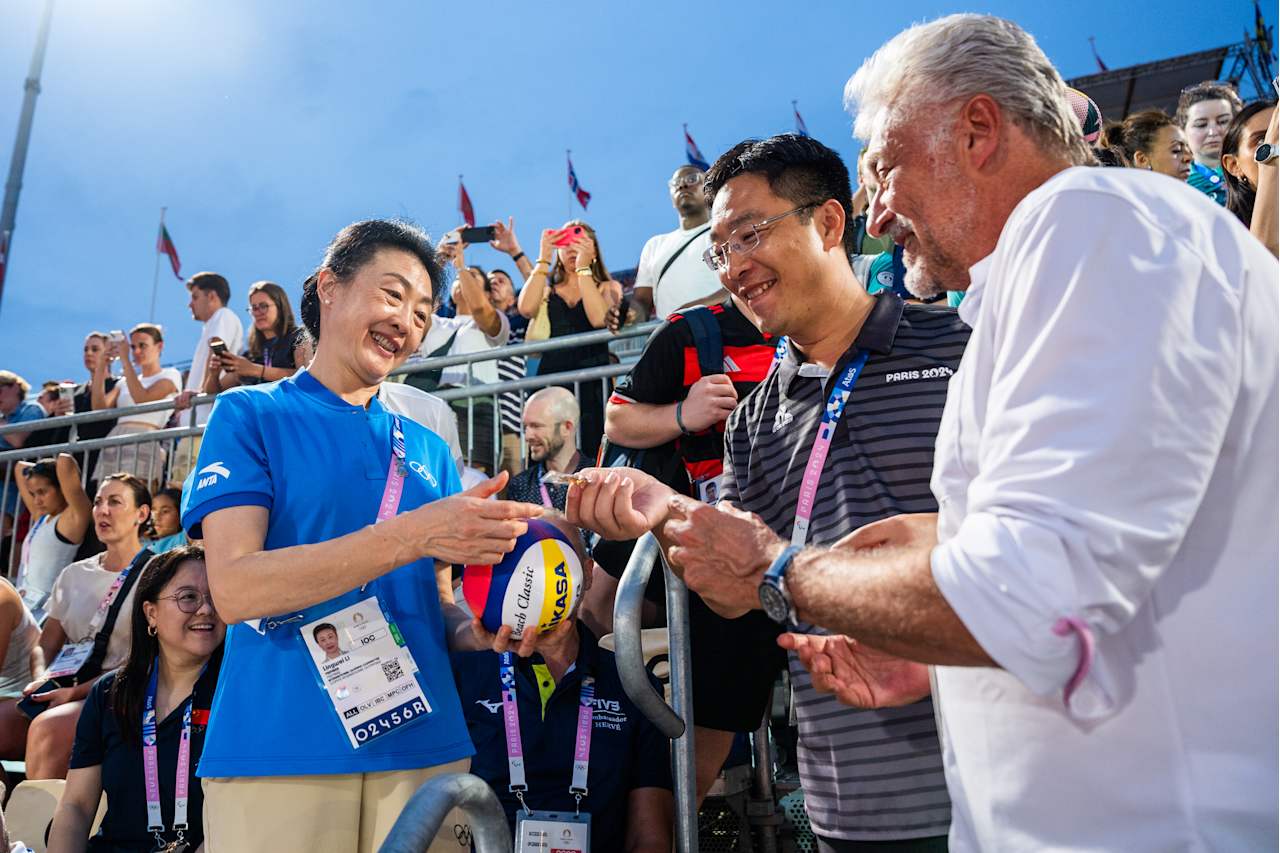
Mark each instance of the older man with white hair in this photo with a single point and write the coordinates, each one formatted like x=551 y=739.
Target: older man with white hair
x=1100 y=582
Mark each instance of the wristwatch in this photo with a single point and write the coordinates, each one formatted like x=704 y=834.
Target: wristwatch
x=1265 y=153
x=774 y=597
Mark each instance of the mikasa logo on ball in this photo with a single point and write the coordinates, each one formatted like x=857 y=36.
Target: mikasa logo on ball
x=542 y=586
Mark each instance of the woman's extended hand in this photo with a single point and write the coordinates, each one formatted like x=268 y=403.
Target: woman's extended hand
x=469 y=528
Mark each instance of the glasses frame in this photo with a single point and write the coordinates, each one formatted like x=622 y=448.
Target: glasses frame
x=711 y=257
x=265 y=308
x=204 y=597
x=690 y=179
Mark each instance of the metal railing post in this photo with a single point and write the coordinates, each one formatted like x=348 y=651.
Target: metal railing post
x=629 y=654
x=427 y=809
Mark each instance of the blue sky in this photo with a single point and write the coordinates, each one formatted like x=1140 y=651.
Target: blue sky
x=266 y=127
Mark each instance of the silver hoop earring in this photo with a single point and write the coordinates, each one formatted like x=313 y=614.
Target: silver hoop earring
x=151 y=630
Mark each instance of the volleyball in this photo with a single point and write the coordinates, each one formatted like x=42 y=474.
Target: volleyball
x=537 y=584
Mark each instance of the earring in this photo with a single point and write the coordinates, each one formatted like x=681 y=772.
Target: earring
x=328 y=302
x=151 y=630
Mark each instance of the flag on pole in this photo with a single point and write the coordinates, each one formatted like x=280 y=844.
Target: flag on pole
x=1102 y=66
x=464 y=205
x=1264 y=40
x=800 y=126
x=4 y=255
x=164 y=245
x=692 y=153
x=574 y=186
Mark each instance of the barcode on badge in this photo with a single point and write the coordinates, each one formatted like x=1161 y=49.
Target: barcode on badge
x=392 y=670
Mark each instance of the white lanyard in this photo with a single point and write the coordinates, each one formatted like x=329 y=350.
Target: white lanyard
x=28 y=542
x=515 y=751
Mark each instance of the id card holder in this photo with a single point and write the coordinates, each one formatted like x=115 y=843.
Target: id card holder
x=708 y=490
x=366 y=671
x=69 y=660
x=553 y=832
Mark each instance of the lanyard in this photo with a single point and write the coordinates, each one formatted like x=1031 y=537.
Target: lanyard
x=394 y=488
x=151 y=768
x=515 y=751
x=546 y=495
x=822 y=444
x=29 y=541
x=110 y=597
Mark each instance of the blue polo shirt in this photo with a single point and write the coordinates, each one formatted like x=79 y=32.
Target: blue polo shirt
x=319 y=465
x=627 y=752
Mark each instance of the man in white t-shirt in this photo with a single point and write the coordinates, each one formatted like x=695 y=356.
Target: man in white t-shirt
x=477 y=328
x=671 y=274
x=210 y=294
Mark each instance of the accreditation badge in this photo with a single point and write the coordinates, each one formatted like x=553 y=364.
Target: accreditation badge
x=366 y=670
x=69 y=660
x=553 y=832
x=708 y=490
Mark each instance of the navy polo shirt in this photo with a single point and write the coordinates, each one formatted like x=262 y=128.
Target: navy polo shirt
x=319 y=465
x=627 y=752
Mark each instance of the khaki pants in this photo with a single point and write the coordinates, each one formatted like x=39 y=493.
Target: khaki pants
x=347 y=813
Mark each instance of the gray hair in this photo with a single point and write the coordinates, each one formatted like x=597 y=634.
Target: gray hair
x=561 y=404
x=958 y=57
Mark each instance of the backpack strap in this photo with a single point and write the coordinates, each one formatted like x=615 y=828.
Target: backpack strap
x=706 y=339
x=671 y=260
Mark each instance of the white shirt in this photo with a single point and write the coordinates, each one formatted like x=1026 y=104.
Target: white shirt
x=223 y=324
x=125 y=399
x=688 y=280
x=470 y=339
x=76 y=596
x=427 y=409
x=44 y=555
x=1108 y=452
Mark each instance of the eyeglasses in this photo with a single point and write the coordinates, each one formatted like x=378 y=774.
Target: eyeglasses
x=688 y=179
x=189 y=600
x=260 y=308
x=744 y=241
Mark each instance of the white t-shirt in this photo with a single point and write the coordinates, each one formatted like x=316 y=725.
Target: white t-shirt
x=223 y=324
x=15 y=670
x=157 y=419
x=688 y=280
x=1107 y=454
x=427 y=409
x=74 y=603
x=468 y=340
x=44 y=556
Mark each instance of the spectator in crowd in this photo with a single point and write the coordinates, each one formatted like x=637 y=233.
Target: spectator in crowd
x=157 y=702
x=166 y=521
x=210 y=296
x=14 y=409
x=54 y=404
x=779 y=215
x=60 y=512
x=504 y=240
x=628 y=774
x=148 y=382
x=277 y=345
x=278 y=751
x=550 y=432
x=476 y=327
x=1061 y=605
x=502 y=295
x=1151 y=140
x=78 y=606
x=671 y=274
x=1204 y=111
x=669 y=410
x=1250 y=170
x=95 y=348
x=577 y=293
x=19 y=634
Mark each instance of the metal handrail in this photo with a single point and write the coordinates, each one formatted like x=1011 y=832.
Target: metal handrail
x=542 y=380
x=629 y=655
x=87 y=444
x=427 y=809
x=512 y=350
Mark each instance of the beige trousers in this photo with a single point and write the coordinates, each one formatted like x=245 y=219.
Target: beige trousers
x=346 y=813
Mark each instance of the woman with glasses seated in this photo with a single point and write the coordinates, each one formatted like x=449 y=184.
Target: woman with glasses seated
x=277 y=345
x=141 y=732
x=578 y=292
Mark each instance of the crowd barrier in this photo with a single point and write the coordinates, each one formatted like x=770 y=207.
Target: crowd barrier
x=428 y=808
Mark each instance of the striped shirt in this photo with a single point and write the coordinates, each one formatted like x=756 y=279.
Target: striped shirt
x=511 y=403
x=867 y=774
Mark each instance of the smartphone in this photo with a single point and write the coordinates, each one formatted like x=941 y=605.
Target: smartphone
x=568 y=236
x=476 y=235
x=67 y=391
x=623 y=307
x=219 y=346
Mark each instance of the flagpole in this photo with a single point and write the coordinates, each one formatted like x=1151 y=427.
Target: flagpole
x=155 y=275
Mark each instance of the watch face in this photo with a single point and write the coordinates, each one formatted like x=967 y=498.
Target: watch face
x=774 y=603
x=1263 y=153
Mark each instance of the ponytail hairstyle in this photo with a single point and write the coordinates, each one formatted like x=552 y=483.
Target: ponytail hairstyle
x=141 y=498
x=129 y=692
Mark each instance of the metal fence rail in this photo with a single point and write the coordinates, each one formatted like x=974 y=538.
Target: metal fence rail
x=427 y=809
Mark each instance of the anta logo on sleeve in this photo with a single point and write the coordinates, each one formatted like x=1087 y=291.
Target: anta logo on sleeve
x=209 y=474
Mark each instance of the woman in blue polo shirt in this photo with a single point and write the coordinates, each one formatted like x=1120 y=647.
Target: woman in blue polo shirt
x=318 y=507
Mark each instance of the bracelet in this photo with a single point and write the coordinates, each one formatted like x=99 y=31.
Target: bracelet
x=584 y=271
x=263 y=374
x=516 y=257
x=680 y=421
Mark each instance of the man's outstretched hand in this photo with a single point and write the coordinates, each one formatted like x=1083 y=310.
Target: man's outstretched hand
x=857 y=674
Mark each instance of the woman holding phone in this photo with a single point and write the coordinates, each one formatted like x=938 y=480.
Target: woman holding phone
x=148 y=382
x=162 y=690
x=277 y=345
x=321 y=510
x=578 y=292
